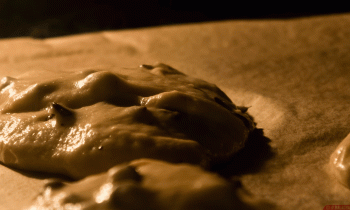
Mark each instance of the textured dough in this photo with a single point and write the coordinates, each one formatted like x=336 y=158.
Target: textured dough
x=340 y=162
x=83 y=123
x=149 y=185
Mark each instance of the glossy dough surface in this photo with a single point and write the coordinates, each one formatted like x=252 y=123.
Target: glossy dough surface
x=340 y=162
x=82 y=123
x=149 y=185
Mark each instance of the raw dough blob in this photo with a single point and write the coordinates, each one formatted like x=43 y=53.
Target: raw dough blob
x=82 y=123
x=340 y=162
x=149 y=185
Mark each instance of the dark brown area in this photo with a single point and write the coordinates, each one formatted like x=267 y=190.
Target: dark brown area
x=250 y=159
x=44 y=18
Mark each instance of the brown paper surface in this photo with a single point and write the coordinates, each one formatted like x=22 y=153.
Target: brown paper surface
x=293 y=74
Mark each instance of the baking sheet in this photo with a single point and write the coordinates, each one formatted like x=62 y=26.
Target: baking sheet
x=293 y=74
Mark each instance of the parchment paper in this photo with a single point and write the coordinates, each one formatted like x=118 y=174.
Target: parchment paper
x=293 y=74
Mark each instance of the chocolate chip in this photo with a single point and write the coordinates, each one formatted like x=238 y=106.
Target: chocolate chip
x=223 y=104
x=61 y=110
x=145 y=66
x=55 y=184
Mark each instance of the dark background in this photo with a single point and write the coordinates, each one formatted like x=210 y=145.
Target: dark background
x=49 y=18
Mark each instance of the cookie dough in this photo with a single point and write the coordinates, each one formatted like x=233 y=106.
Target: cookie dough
x=340 y=162
x=83 y=123
x=149 y=185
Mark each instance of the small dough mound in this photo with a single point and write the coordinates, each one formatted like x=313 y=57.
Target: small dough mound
x=340 y=162
x=83 y=123
x=148 y=185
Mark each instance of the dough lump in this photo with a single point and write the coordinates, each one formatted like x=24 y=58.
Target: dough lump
x=340 y=162
x=83 y=123
x=149 y=185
